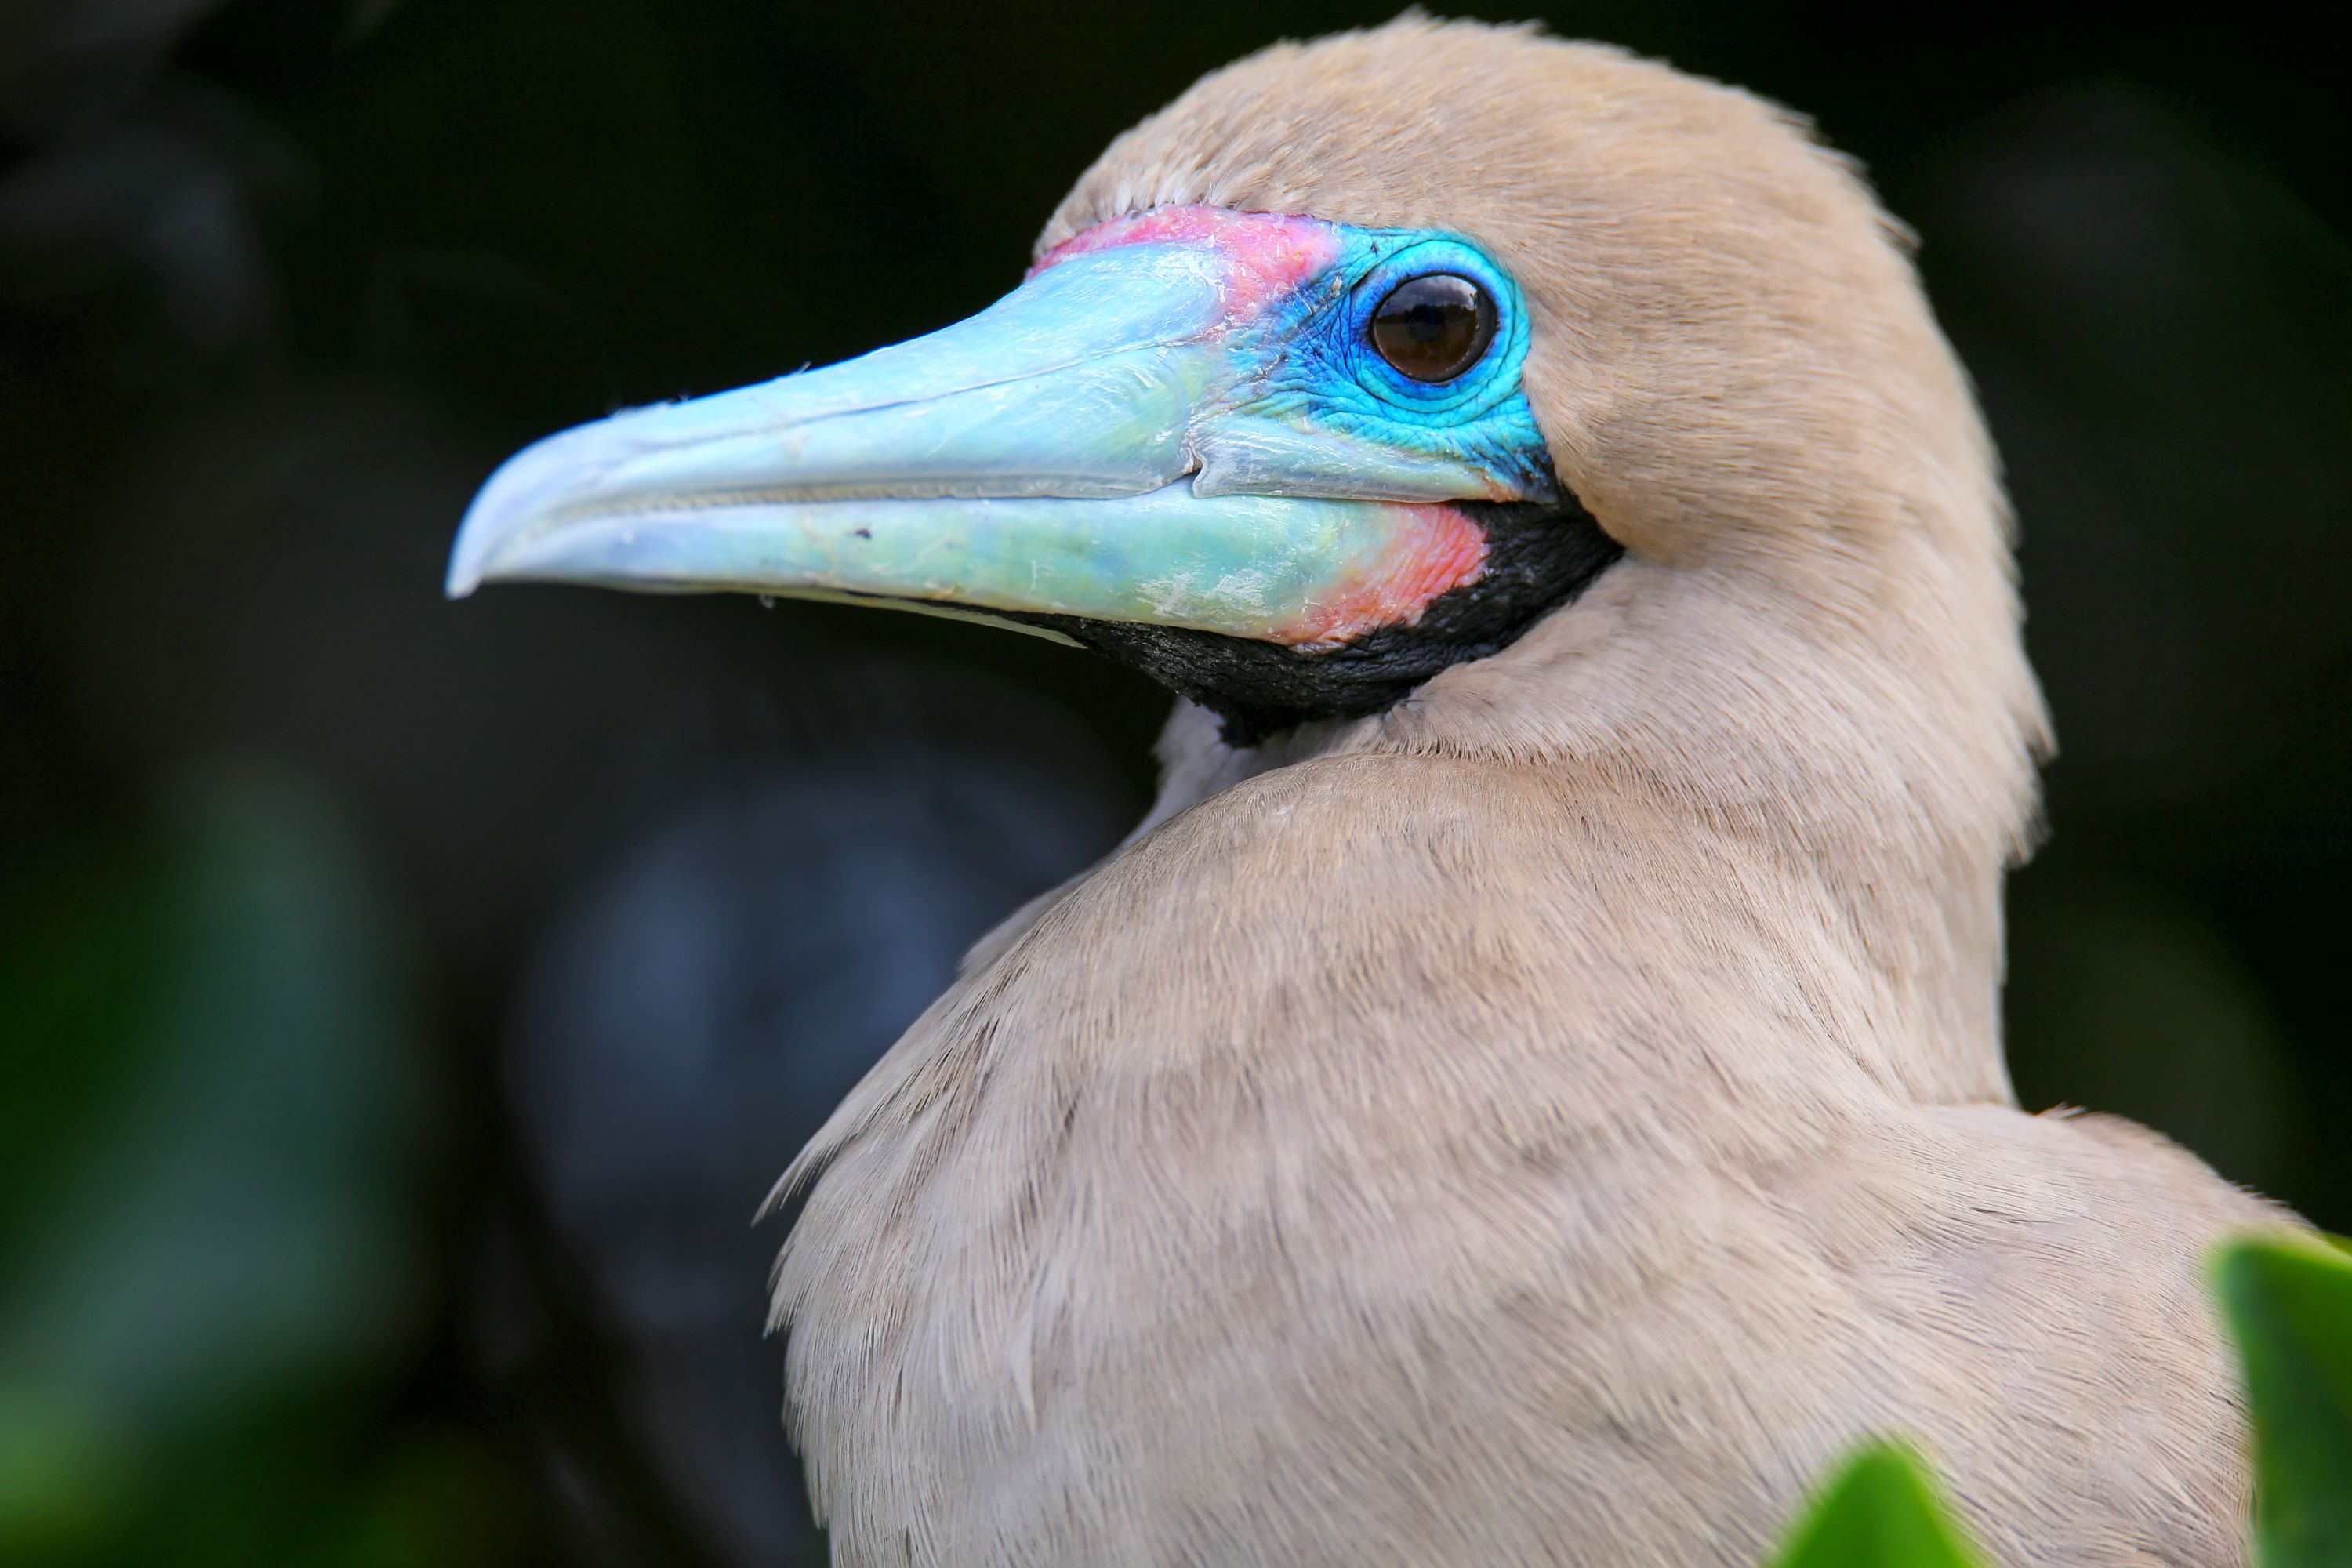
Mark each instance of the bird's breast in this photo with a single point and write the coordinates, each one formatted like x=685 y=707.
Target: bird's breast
x=1373 y=1062
x=1367 y=1166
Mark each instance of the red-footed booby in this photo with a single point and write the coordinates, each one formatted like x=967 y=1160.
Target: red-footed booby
x=1532 y=1091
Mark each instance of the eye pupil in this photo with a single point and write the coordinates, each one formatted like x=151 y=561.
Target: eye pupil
x=1435 y=327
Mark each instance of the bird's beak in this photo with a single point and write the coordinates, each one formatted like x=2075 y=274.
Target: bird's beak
x=1106 y=442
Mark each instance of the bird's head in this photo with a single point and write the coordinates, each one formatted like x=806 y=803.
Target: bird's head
x=1483 y=389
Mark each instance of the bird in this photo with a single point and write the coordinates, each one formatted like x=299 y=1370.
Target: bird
x=1531 y=1089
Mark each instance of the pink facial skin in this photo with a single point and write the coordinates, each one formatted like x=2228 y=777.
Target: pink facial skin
x=1267 y=256
x=1436 y=548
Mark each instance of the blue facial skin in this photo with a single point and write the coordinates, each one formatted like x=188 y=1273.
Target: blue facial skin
x=1324 y=371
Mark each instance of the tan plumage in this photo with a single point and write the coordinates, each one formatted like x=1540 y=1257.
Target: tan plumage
x=1549 y=1121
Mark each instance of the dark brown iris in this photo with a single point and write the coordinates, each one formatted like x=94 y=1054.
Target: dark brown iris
x=1434 y=328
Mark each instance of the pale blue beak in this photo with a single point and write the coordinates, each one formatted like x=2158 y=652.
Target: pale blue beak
x=1116 y=440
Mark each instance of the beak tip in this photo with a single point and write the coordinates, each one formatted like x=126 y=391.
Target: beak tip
x=467 y=567
x=502 y=511
x=481 y=555
x=499 y=517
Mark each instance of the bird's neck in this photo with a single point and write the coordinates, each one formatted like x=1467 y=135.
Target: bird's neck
x=1883 y=767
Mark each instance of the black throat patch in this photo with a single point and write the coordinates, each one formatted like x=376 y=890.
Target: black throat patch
x=1540 y=556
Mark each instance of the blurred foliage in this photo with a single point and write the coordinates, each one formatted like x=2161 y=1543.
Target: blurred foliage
x=2289 y=1307
x=210 y=1246
x=1880 y=1510
x=381 y=1118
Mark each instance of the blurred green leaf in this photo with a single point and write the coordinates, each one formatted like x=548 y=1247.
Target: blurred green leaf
x=2289 y=1305
x=214 y=1249
x=1880 y=1513
x=62 y=1486
x=78 y=976
x=438 y=1496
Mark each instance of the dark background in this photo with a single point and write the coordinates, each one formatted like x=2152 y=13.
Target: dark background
x=405 y=1005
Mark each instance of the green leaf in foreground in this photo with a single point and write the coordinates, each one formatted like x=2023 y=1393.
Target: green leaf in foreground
x=1879 y=1512
x=2289 y=1304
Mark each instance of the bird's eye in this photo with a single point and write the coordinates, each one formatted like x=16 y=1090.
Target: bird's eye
x=1435 y=327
